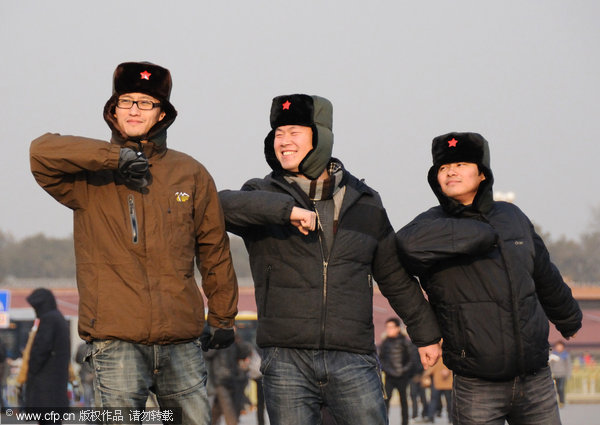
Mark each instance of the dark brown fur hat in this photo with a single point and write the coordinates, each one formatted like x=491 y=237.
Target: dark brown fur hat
x=142 y=77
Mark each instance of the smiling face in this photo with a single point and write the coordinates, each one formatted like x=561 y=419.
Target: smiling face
x=460 y=181
x=292 y=143
x=136 y=122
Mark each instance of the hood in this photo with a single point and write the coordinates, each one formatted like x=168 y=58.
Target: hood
x=42 y=300
x=157 y=134
x=310 y=111
x=462 y=147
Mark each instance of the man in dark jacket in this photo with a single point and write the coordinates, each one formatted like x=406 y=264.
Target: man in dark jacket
x=493 y=287
x=394 y=353
x=48 y=367
x=318 y=239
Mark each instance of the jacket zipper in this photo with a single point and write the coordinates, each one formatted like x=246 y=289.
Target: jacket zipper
x=264 y=312
x=515 y=305
x=133 y=219
x=325 y=266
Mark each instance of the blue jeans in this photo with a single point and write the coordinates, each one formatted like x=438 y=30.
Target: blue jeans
x=528 y=401
x=298 y=382
x=176 y=373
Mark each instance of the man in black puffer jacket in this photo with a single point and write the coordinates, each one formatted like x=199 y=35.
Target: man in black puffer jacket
x=493 y=287
x=318 y=238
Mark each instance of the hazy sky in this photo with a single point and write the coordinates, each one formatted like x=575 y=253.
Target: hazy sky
x=524 y=74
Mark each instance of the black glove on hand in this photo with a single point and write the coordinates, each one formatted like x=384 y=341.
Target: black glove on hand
x=216 y=338
x=133 y=166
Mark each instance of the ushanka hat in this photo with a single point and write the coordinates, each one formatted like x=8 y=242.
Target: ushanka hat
x=460 y=147
x=142 y=77
x=147 y=78
x=309 y=111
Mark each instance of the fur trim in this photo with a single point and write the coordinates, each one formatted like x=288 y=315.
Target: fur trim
x=308 y=111
x=142 y=77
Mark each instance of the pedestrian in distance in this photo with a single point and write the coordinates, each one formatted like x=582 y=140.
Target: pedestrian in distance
x=561 y=367
x=49 y=357
x=314 y=261
x=143 y=215
x=489 y=278
x=394 y=354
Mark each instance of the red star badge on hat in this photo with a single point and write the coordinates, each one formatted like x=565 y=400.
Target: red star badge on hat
x=145 y=75
x=286 y=105
x=452 y=143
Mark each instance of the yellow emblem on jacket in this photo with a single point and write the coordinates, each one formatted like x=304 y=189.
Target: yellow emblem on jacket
x=182 y=196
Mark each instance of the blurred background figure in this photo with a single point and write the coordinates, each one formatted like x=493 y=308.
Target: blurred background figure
x=228 y=376
x=418 y=395
x=441 y=386
x=49 y=355
x=86 y=375
x=394 y=354
x=3 y=373
x=560 y=364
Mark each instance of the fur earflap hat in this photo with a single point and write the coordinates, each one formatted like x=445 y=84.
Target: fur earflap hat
x=460 y=147
x=142 y=77
x=147 y=78
x=310 y=111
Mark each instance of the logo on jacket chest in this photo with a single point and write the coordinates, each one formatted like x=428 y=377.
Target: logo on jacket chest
x=182 y=196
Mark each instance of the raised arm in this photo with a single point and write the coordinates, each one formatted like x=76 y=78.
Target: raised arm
x=427 y=241
x=57 y=161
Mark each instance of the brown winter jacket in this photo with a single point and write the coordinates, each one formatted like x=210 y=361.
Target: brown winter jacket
x=135 y=249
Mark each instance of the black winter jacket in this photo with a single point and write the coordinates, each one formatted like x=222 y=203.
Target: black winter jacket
x=307 y=301
x=48 y=368
x=394 y=354
x=491 y=283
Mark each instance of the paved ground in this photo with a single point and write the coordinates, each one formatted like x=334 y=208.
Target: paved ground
x=571 y=414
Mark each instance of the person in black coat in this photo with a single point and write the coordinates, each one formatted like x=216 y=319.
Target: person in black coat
x=48 y=368
x=491 y=283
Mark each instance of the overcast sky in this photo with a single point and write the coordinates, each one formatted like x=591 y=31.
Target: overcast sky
x=524 y=74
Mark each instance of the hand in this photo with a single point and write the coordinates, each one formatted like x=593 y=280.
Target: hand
x=430 y=355
x=133 y=166
x=304 y=220
x=216 y=338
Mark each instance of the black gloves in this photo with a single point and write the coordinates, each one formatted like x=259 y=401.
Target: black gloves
x=133 y=167
x=216 y=338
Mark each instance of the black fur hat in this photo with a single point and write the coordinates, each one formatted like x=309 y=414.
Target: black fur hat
x=147 y=78
x=460 y=147
x=142 y=77
x=309 y=111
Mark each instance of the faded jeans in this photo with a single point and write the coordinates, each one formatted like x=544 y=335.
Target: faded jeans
x=126 y=373
x=528 y=401
x=298 y=382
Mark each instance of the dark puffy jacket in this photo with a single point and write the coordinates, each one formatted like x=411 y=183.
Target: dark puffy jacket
x=304 y=301
x=491 y=283
x=394 y=354
x=48 y=368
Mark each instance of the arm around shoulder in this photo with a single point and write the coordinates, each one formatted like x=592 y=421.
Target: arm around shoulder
x=428 y=240
x=253 y=206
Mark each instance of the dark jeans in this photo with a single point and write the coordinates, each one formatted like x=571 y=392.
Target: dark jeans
x=400 y=384
x=297 y=383
x=527 y=401
x=176 y=373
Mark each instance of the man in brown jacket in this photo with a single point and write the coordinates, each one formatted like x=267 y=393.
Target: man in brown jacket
x=142 y=214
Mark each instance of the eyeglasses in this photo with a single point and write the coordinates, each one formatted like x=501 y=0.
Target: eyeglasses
x=144 y=105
